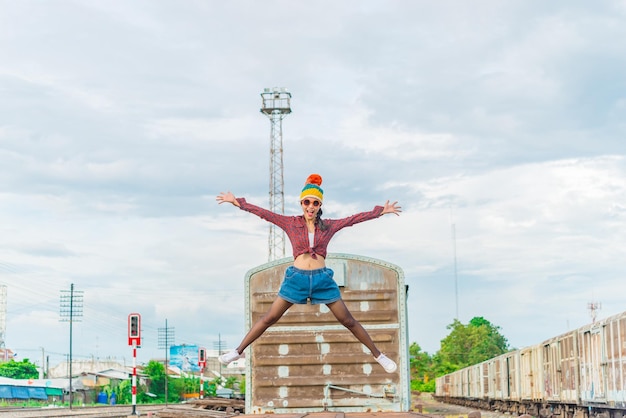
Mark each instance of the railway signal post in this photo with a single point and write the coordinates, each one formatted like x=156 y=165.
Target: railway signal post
x=134 y=340
x=202 y=364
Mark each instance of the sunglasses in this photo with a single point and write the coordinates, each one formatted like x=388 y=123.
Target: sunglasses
x=307 y=202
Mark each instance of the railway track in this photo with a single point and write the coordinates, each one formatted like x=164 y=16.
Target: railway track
x=208 y=407
x=424 y=406
x=105 y=411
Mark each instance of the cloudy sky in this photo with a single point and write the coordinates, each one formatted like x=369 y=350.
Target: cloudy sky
x=498 y=126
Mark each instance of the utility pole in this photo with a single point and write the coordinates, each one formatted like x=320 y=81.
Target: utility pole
x=219 y=345
x=276 y=105
x=166 y=338
x=456 y=279
x=71 y=310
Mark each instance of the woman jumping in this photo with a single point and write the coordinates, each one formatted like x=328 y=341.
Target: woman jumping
x=309 y=235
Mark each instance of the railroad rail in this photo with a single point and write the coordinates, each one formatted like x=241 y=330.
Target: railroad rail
x=104 y=411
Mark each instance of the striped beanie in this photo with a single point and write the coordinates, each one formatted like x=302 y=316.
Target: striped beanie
x=312 y=188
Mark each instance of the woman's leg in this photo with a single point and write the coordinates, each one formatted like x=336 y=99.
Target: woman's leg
x=278 y=308
x=343 y=315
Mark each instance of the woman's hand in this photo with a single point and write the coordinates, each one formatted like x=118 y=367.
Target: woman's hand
x=227 y=197
x=391 y=208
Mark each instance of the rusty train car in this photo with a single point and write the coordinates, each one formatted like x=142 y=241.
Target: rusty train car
x=308 y=362
x=579 y=374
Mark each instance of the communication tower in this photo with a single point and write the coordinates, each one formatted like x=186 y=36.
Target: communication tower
x=594 y=307
x=276 y=105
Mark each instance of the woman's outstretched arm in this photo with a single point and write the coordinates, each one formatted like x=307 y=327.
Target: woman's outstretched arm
x=227 y=197
x=277 y=219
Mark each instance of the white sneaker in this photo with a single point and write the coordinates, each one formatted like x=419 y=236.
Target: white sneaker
x=388 y=364
x=229 y=357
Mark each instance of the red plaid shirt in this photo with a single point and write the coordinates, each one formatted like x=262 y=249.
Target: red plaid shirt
x=296 y=229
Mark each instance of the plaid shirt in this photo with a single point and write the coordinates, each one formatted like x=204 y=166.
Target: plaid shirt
x=298 y=233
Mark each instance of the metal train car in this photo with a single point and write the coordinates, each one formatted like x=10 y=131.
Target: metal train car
x=579 y=374
x=308 y=362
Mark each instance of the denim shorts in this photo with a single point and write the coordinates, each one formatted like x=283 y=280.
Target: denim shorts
x=318 y=286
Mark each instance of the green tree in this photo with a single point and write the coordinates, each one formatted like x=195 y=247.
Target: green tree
x=420 y=361
x=176 y=388
x=123 y=392
x=469 y=344
x=230 y=382
x=211 y=387
x=242 y=385
x=19 y=370
x=156 y=378
x=422 y=375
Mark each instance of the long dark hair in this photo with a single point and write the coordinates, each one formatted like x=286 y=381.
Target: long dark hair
x=319 y=222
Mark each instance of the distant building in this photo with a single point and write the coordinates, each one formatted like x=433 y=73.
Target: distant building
x=84 y=366
x=6 y=354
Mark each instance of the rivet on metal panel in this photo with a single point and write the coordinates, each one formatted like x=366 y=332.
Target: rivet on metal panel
x=367 y=369
x=283 y=371
x=327 y=369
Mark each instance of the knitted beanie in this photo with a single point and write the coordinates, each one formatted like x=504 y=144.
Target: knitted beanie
x=312 y=188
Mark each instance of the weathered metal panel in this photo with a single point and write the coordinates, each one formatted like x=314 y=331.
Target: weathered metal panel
x=485 y=380
x=602 y=347
x=616 y=361
x=560 y=363
x=513 y=375
x=456 y=384
x=442 y=386
x=308 y=362
x=569 y=368
x=551 y=366
x=499 y=369
x=491 y=380
x=464 y=376
x=592 y=372
x=531 y=379
x=475 y=382
x=504 y=377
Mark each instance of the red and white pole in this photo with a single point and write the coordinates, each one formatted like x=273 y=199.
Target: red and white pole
x=134 y=400
x=202 y=382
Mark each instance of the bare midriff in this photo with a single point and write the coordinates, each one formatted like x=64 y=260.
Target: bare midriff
x=307 y=262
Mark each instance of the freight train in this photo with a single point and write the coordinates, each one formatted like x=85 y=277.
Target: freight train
x=579 y=374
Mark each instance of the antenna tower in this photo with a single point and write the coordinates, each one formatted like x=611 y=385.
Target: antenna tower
x=276 y=105
x=594 y=307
